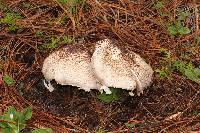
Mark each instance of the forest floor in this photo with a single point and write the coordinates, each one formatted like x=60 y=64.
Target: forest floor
x=165 y=33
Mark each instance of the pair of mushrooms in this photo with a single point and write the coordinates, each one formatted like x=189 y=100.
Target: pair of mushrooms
x=107 y=66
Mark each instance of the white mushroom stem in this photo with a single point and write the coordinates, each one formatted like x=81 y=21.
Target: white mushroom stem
x=131 y=93
x=48 y=86
x=106 y=89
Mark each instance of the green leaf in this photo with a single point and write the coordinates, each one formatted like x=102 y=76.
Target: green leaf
x=23 y=117
x=11 y=114
x=179 y=65
x=47 y=130
x=8 y=19
x=54 y=42
x=27 y=112
x=12 y=27
x=8 y=80
x=172 y=30
x=188 y=70
x=4 y=124
x=10 y=118
x=6 y=130
x=189 y=66
x=191 y=75
x=184 y=30
x=14 y=122
x=197 y=71
x=107 y=98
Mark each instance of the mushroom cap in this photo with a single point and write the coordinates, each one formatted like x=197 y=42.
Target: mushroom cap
x=143 y=71
x=115 y=67
x=110 y=68
x=71 y=66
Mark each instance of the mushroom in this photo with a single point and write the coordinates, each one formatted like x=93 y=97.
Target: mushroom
x=108 y=65
x=70 y=65
x=119 y=68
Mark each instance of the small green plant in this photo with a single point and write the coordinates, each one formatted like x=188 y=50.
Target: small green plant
x=162 y=73
x=168 y=66
x=53 y=44
x=39 y=33
x=188 y=70
x=130 y=125
x=8 y=80
x=166 y=54
x=10 y=19
x=107 y=98
x=177 y=27
x=64 y=20
x=67 y=39
x=14 y=122
x=165 y=70
x=174 y=27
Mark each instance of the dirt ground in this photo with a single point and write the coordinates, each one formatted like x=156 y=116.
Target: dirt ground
x=171 y=104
